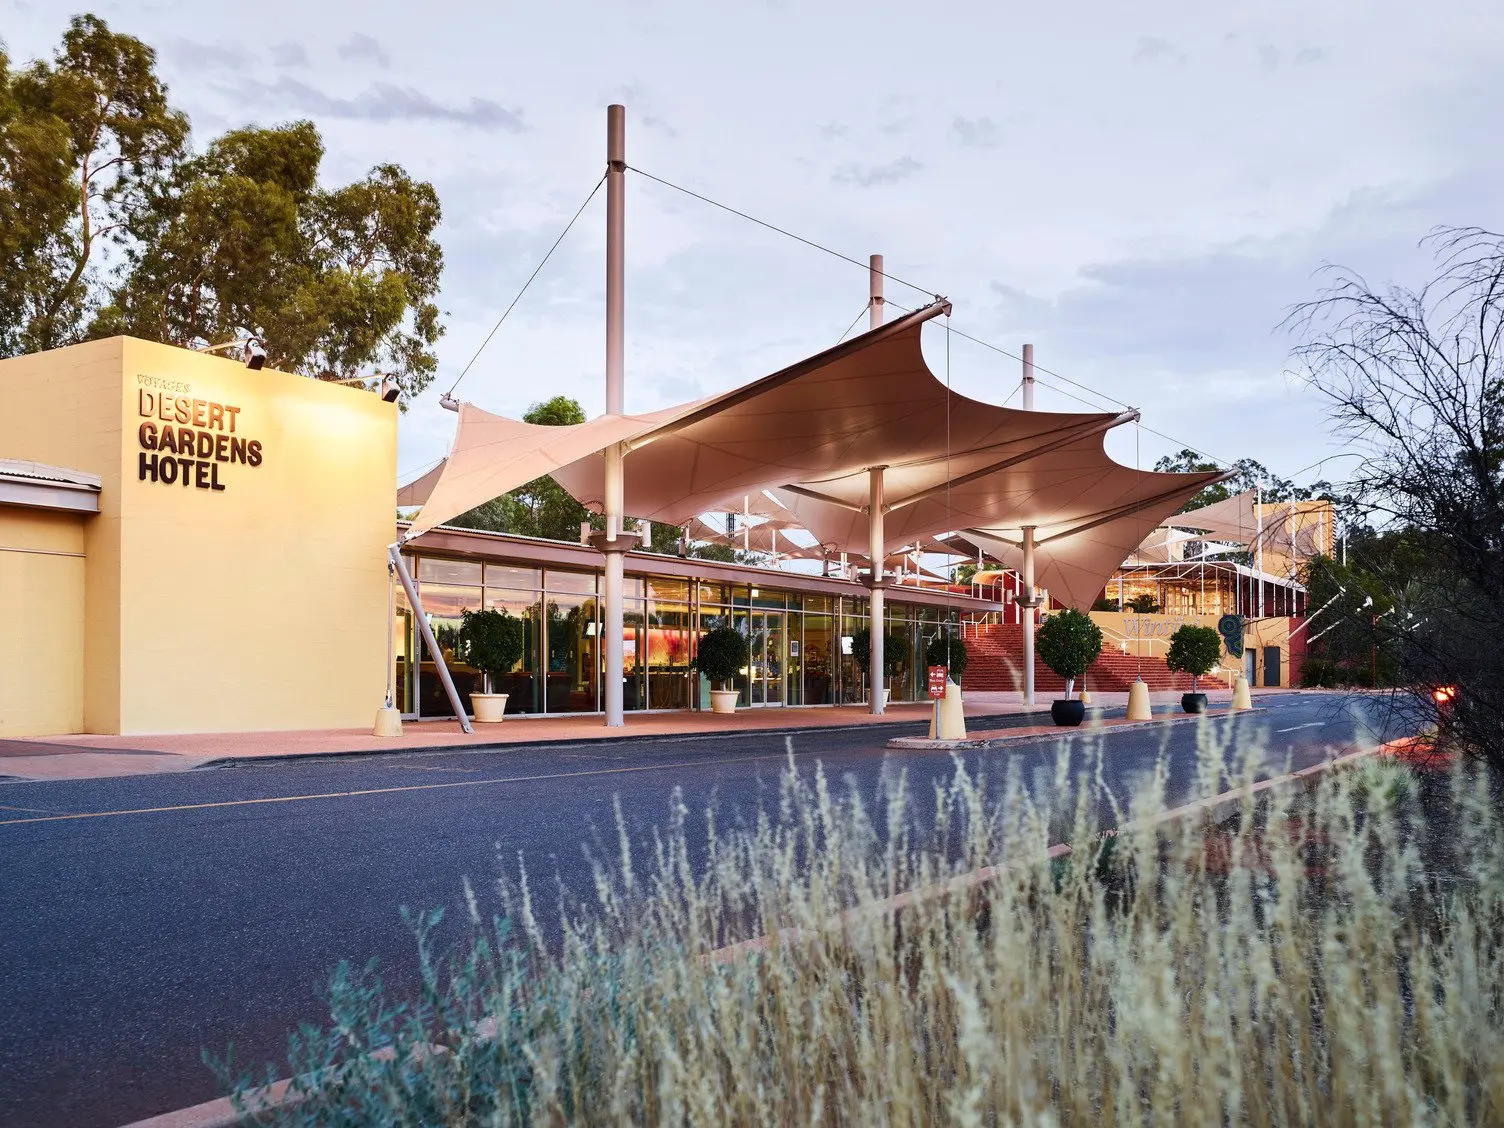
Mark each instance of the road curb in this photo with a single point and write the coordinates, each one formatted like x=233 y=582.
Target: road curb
x=926 y=744
x=558 y=742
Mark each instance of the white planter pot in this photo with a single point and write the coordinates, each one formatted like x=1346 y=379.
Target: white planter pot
x=723 y=700
x=489 y=707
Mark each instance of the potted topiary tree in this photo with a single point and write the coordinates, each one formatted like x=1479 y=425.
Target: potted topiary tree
x=895 y=651
x=947 y=650
x=1195 y=651
x=1068 y=642
x=722 y=655
x=492 y=642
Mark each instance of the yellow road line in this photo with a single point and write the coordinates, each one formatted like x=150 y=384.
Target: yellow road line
x=394 y=790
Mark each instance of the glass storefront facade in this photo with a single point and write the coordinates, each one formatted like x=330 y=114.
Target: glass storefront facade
x=800 y=642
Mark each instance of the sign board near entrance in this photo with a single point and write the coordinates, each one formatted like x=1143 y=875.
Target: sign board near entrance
x=937 y=681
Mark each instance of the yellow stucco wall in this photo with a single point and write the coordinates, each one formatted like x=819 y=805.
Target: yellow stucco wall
x=42 y=659
x=1153 y=632
x=253 y=597
x=62 y=408
x=262 y=604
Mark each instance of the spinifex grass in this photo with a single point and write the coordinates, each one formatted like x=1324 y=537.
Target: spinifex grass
x=1324 y=964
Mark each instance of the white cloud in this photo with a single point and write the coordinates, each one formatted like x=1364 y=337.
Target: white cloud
x=362 y=48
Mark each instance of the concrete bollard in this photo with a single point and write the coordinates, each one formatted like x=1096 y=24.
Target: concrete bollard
x=388 y=723
x=1241 y=698
x=1138 y=701
x=951 y=716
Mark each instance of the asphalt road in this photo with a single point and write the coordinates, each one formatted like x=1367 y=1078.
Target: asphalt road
x=195 y=910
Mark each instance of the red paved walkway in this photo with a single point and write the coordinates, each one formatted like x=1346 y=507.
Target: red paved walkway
x=87 y=756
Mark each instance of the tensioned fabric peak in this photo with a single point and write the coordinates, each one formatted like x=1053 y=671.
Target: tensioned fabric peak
x=493 y=454
x=705 y=454
x=809 y=435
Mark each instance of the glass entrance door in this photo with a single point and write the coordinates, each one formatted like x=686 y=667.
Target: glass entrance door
x=769 y=644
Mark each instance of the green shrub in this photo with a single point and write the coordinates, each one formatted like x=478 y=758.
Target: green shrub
x=947 y=650
x=895 y=652
x=1068 y=642
x=491 y=641
x=1194 y=650
x=1353 y=675
x=1318 y=673
x=722 y=655
x=1143 y=605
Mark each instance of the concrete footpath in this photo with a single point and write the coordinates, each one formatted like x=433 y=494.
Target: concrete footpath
x=87 y=756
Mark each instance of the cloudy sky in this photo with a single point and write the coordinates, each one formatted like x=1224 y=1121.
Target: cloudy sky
x=1141 y=190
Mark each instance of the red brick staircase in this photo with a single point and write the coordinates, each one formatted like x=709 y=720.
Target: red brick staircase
x=996 y=665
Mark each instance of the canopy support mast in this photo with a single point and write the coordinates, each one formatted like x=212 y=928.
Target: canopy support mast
x=876 y=665
x=614 y=544
x=1031 y=596
x=876 y=679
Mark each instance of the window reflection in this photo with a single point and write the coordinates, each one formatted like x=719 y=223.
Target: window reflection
x=572 y=631
x=796 y=640
x=521 y=684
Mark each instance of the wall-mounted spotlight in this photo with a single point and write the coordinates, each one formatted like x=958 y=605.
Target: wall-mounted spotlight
x=252 y=353
x=387 y=387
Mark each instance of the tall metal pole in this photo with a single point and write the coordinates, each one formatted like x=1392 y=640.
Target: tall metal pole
x=875 y=552
x=1028 y=607
x=616 y=212
x=1258 y=517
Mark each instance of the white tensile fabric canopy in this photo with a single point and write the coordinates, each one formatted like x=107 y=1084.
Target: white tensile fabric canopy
x=1232 y=519
x=493 y=454
x=1288 y=526
x=767 y=537
x=809 y=436
x=1075 y=564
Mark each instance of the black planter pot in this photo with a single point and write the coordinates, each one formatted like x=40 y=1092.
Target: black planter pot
x=1193 y=702
x=1067 y=714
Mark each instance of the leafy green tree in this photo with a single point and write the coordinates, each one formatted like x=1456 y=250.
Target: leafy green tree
x=722 y=655
x=895 y=651
x=92 y=127
x=1194 y=650
x=1068 y=642
x=665 y=539
x=710 y=550
x=950 y=651
x=492 y=641
x=36 y=199
x=243 y=241
x=108 y=224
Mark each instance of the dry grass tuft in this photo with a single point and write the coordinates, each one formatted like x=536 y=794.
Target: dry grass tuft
x=1322 y=958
